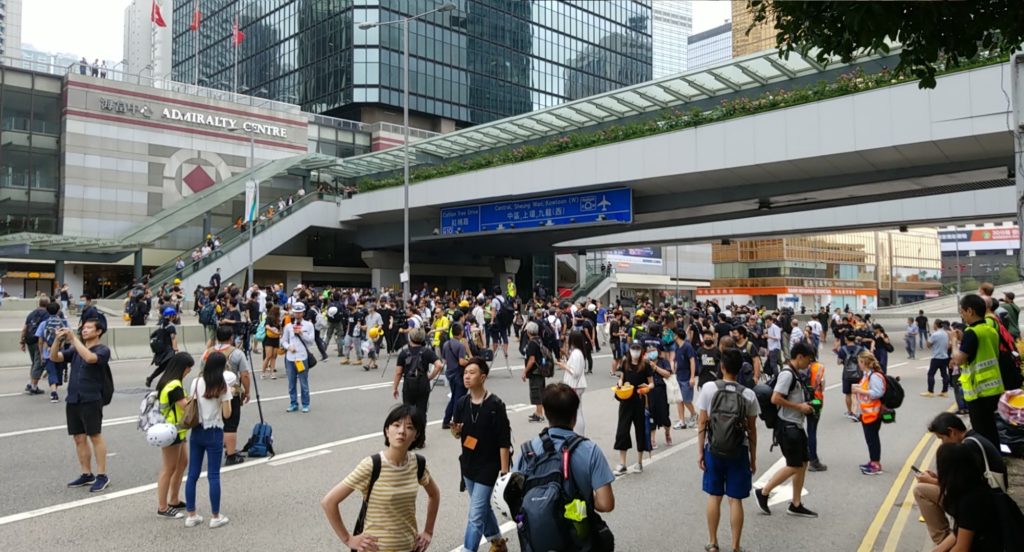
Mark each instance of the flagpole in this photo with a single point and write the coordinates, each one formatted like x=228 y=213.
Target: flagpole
x=195 y=5
x=234 y=41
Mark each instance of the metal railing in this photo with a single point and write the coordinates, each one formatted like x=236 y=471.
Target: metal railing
x=230 y=238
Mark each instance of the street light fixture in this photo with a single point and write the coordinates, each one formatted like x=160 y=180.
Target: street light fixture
x=446 y=7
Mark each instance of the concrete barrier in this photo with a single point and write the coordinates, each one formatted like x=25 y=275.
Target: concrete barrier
x=192 y=339
x=131 y=342
x=12 y=355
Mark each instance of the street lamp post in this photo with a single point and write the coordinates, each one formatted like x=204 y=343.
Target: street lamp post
x=255 y=198
x=446 y=7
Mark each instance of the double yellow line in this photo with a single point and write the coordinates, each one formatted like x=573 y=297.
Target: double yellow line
x=902 y=508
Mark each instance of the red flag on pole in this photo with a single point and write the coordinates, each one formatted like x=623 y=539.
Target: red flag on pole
x=197 y=18
x=155 y=16
x=237 y=36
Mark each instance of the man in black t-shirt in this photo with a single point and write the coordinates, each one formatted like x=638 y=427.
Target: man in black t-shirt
x=534 y=360
x=414 y=365
x=615 y=340
x=922 y=328
x=708 y=360
x=722 y=327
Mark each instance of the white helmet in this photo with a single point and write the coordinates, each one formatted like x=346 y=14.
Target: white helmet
x=161 y=435
x=498 y=503
x=332 y=311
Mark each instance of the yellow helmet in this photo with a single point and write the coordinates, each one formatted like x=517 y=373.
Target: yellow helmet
x=177 y=281
x=464 y=304
x=625 y=392
x=640 y=312
x=375 y=332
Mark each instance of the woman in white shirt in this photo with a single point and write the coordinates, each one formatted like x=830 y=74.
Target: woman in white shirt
x=297 y=339
x=212 y=390
x=575 y=374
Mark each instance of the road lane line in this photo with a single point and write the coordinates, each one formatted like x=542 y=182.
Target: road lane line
x=871 y=536
x=893 y=540
x=276 y=463
x=110 y=422
x=12 y=394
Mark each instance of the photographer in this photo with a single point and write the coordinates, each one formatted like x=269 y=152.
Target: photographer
x=297 y=337
x=88 y=359
x=237 y=364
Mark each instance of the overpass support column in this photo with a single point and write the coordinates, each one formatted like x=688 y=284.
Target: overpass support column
x=581 y=266
x=58 y=274
x=503 y=267
x=385 y=268
x=1017 y=89
x=137 y=273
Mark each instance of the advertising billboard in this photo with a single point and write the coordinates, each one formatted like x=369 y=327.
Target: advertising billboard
x=649 y=256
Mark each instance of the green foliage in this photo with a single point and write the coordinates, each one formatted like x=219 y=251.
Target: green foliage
x=1007 y=275
x=933 y=35
x=847 y=83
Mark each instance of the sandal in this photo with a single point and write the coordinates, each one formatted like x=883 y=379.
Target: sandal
x=710 y=548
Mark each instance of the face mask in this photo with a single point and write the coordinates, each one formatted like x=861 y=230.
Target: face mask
x=653 y=355
x=635 y=355
x=81 y=304
x=709 y=342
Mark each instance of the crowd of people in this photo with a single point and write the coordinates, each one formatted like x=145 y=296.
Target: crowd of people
x=726 y=368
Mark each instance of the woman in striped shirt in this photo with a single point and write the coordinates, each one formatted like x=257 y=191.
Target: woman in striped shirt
x=390 y=522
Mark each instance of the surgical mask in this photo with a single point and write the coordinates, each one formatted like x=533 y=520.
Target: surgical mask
x=81 y=304
x=709 y=342
x=652 y=355
x=634 y=354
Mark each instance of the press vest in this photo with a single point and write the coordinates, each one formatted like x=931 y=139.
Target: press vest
x=981 y=378
x=817 y=380
x=511 y=288
x=171 y=412
x=870 y=408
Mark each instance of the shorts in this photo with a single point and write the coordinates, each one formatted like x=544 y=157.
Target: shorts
x=685 y=389
x=847 y=387
x=536 y=388
x=231 y=423
x=727 y=476
x=211 y=333
x=54 y=373
x=84 y=418
x=272 y=342
x=793 y=442
x=499 y=333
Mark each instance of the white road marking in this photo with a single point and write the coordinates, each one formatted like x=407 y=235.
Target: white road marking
x=782 y=493
x=12 y=394
x=298 y=458
x=107 y=423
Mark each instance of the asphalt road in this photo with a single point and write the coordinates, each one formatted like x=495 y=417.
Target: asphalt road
x=274 y=505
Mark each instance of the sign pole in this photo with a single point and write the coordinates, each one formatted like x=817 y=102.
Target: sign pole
x=1017 y=91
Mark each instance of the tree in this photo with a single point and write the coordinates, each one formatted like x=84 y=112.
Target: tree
x=932 y=34
x=1007 y=275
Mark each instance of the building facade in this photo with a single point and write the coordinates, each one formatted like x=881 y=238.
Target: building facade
x=980 y=253
x=709 y=47
x=486 y=60
x=147 y=48
x=10 y=28
x=672 y=26
x=859 y=270
x=748 y=38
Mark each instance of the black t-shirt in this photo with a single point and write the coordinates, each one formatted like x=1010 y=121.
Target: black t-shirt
x=427 y=360
x=976 y=511
x=995 y=459
x=254 y=311
x=533 y=351
x=969 y=344
x=922 y=322
x=235 y=316
x=708 y=361
x=637 y=377
x=488 y=424
x=723 y=329
x=613 y=329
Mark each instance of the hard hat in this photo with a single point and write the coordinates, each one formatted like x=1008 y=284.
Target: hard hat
x=643 y=389
x=375 y=332
x=464 y=304
x=332 y=311
x=169 y=312
x=161 y=435
x=498 y=503
x=640 y=312
x=177 y=281
x=625 y=392
x=591 y=307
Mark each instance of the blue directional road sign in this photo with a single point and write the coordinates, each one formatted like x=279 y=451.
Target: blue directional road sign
x=615 y=205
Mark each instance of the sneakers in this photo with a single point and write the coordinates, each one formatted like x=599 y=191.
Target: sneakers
x=852 y=417
x=679 y=425
x=292 y=408
x=536 y=418
x=446 y=426
x=192 y=521
x=232 y=459
x=54 y=398
x=620 y=469
x=637 y=469
x=344 y=360
x=170 y=513
x=817 y=466
x=223 y=520
x=305 y=410
x=101 y=482
x=873 y=468
x=83 y=480
x=927 y=394
x=800 y=511
x=762 y=502
x=499 y=545
x=33 y=390
x=943 y=394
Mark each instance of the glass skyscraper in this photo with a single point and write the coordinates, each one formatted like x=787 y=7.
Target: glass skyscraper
x=673 y=23
x=486 y=60
x=710 y=47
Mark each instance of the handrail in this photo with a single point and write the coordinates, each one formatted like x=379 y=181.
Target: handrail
x=230 y=238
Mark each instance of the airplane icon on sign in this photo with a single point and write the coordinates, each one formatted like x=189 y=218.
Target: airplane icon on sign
x=604 y=203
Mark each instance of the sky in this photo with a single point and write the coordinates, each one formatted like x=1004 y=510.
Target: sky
x=95 y=28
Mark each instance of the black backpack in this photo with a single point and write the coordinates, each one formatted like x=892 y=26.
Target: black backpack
x=851 y=371
x=546 y=362
x=413 y=366
x=34 y=320
x=540 y=509
x=506 y=313
x=770 y=412
x=746 y=375
x=160 y=341
x=208 y=314
x=893 y=396
x=727 y=420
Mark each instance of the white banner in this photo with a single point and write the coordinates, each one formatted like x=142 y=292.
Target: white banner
x=251 y=209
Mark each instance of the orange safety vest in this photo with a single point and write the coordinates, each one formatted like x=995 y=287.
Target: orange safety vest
x=818 y=380
x=870 y=408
